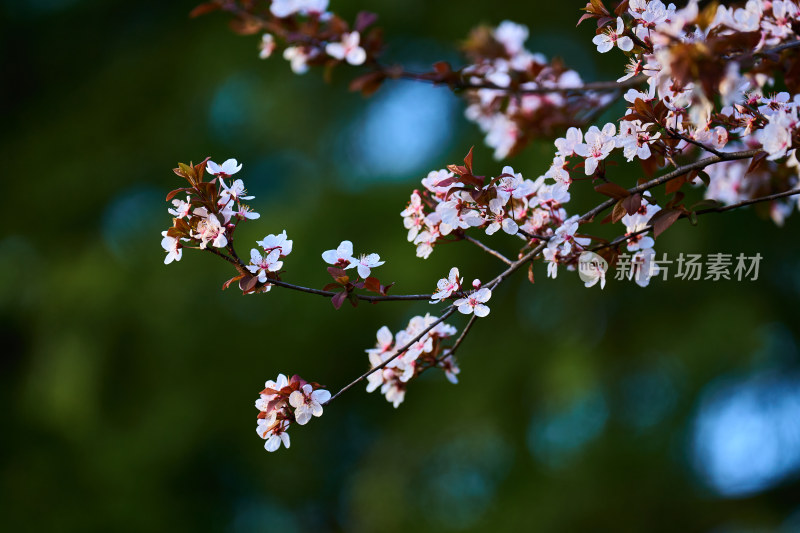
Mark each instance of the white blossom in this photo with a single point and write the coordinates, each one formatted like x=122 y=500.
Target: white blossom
x=474 y=303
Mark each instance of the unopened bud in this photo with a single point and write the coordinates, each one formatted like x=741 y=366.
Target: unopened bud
x=476 y=284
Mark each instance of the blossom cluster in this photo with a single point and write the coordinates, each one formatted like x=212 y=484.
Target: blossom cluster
x=505 y=104
x=707 y=76
x=283 y=402
x=311 y=34
x=453 y=200
x=211 y=211
x=400 y=358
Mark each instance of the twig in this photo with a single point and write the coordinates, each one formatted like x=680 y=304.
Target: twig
x=720 y=209
x=678 y=135
x=460 y=339
x=678 y=172
x=364 y=297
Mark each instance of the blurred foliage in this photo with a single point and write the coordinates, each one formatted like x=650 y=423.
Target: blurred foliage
x=129 y=386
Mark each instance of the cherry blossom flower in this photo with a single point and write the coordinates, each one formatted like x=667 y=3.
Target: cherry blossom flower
x=173 y=248
x=451 y=370
x=606 y=41
x=278 y=242
x=637 y=222
x=446 y=286
x=266 y=46
x=297 y=56
x=366 y=262
x=235 y=192
x=643 y=267
x=348 y=49
x=341 y=256
x=500 y=220
x=226 y=169
x=599 y=144
x=512 y=36
x=244 y=212
x=261 y=264
x=566 y=145
x=274 y=432
x=414 y=216
x=263 y=403
x=210 y=230
x=181 y=208
x=385 y=341
x=308 y=402
x=474 y=303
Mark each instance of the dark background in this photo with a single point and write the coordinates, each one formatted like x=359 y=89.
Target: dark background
x=128 y=386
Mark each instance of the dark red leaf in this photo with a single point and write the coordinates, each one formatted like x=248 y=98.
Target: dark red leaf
x=613 y=190
x=632 y=203
x=338 y=299
x=228 y=283
x=663 y=220
x=202 y=9
x=757 y=162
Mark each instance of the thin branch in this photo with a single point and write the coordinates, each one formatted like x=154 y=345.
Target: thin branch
x=678 y=135
x=721 y=209
x=460 y=339
x=779 y=48
x=400 y=352
x=531 y=236
x=678 y=172
x=363 y=297
x=434 y=78
x=488 y=250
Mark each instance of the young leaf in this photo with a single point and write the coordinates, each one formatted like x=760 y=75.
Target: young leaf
x=338 y=299
x=613 y=190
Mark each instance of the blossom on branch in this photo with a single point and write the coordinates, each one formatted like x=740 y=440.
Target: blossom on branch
x=474 y=303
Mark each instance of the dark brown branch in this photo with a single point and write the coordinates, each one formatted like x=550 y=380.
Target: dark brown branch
x=678 y=135
x=363 y=297
x=461 y=337
x=678 y=172
x=720 y=209
x=433 y=77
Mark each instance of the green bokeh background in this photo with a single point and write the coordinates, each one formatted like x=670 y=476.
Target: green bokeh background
x=128 y=386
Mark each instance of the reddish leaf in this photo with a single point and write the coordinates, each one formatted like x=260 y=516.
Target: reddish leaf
x=172 y=194
x=368 y=83
x=442 y=67
x=228 y=283
x=632 y=203
x=244 y=26
x=663 y=220
x=331 y=286
x=339 y=275
x=613 y=190
x=757 y=162
x=246 y=283
x=468 y=160
x=338 y=299
x=675 y=185
x=619 y=211
x=202 y=9
x=372 y=284
x=530 y=272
